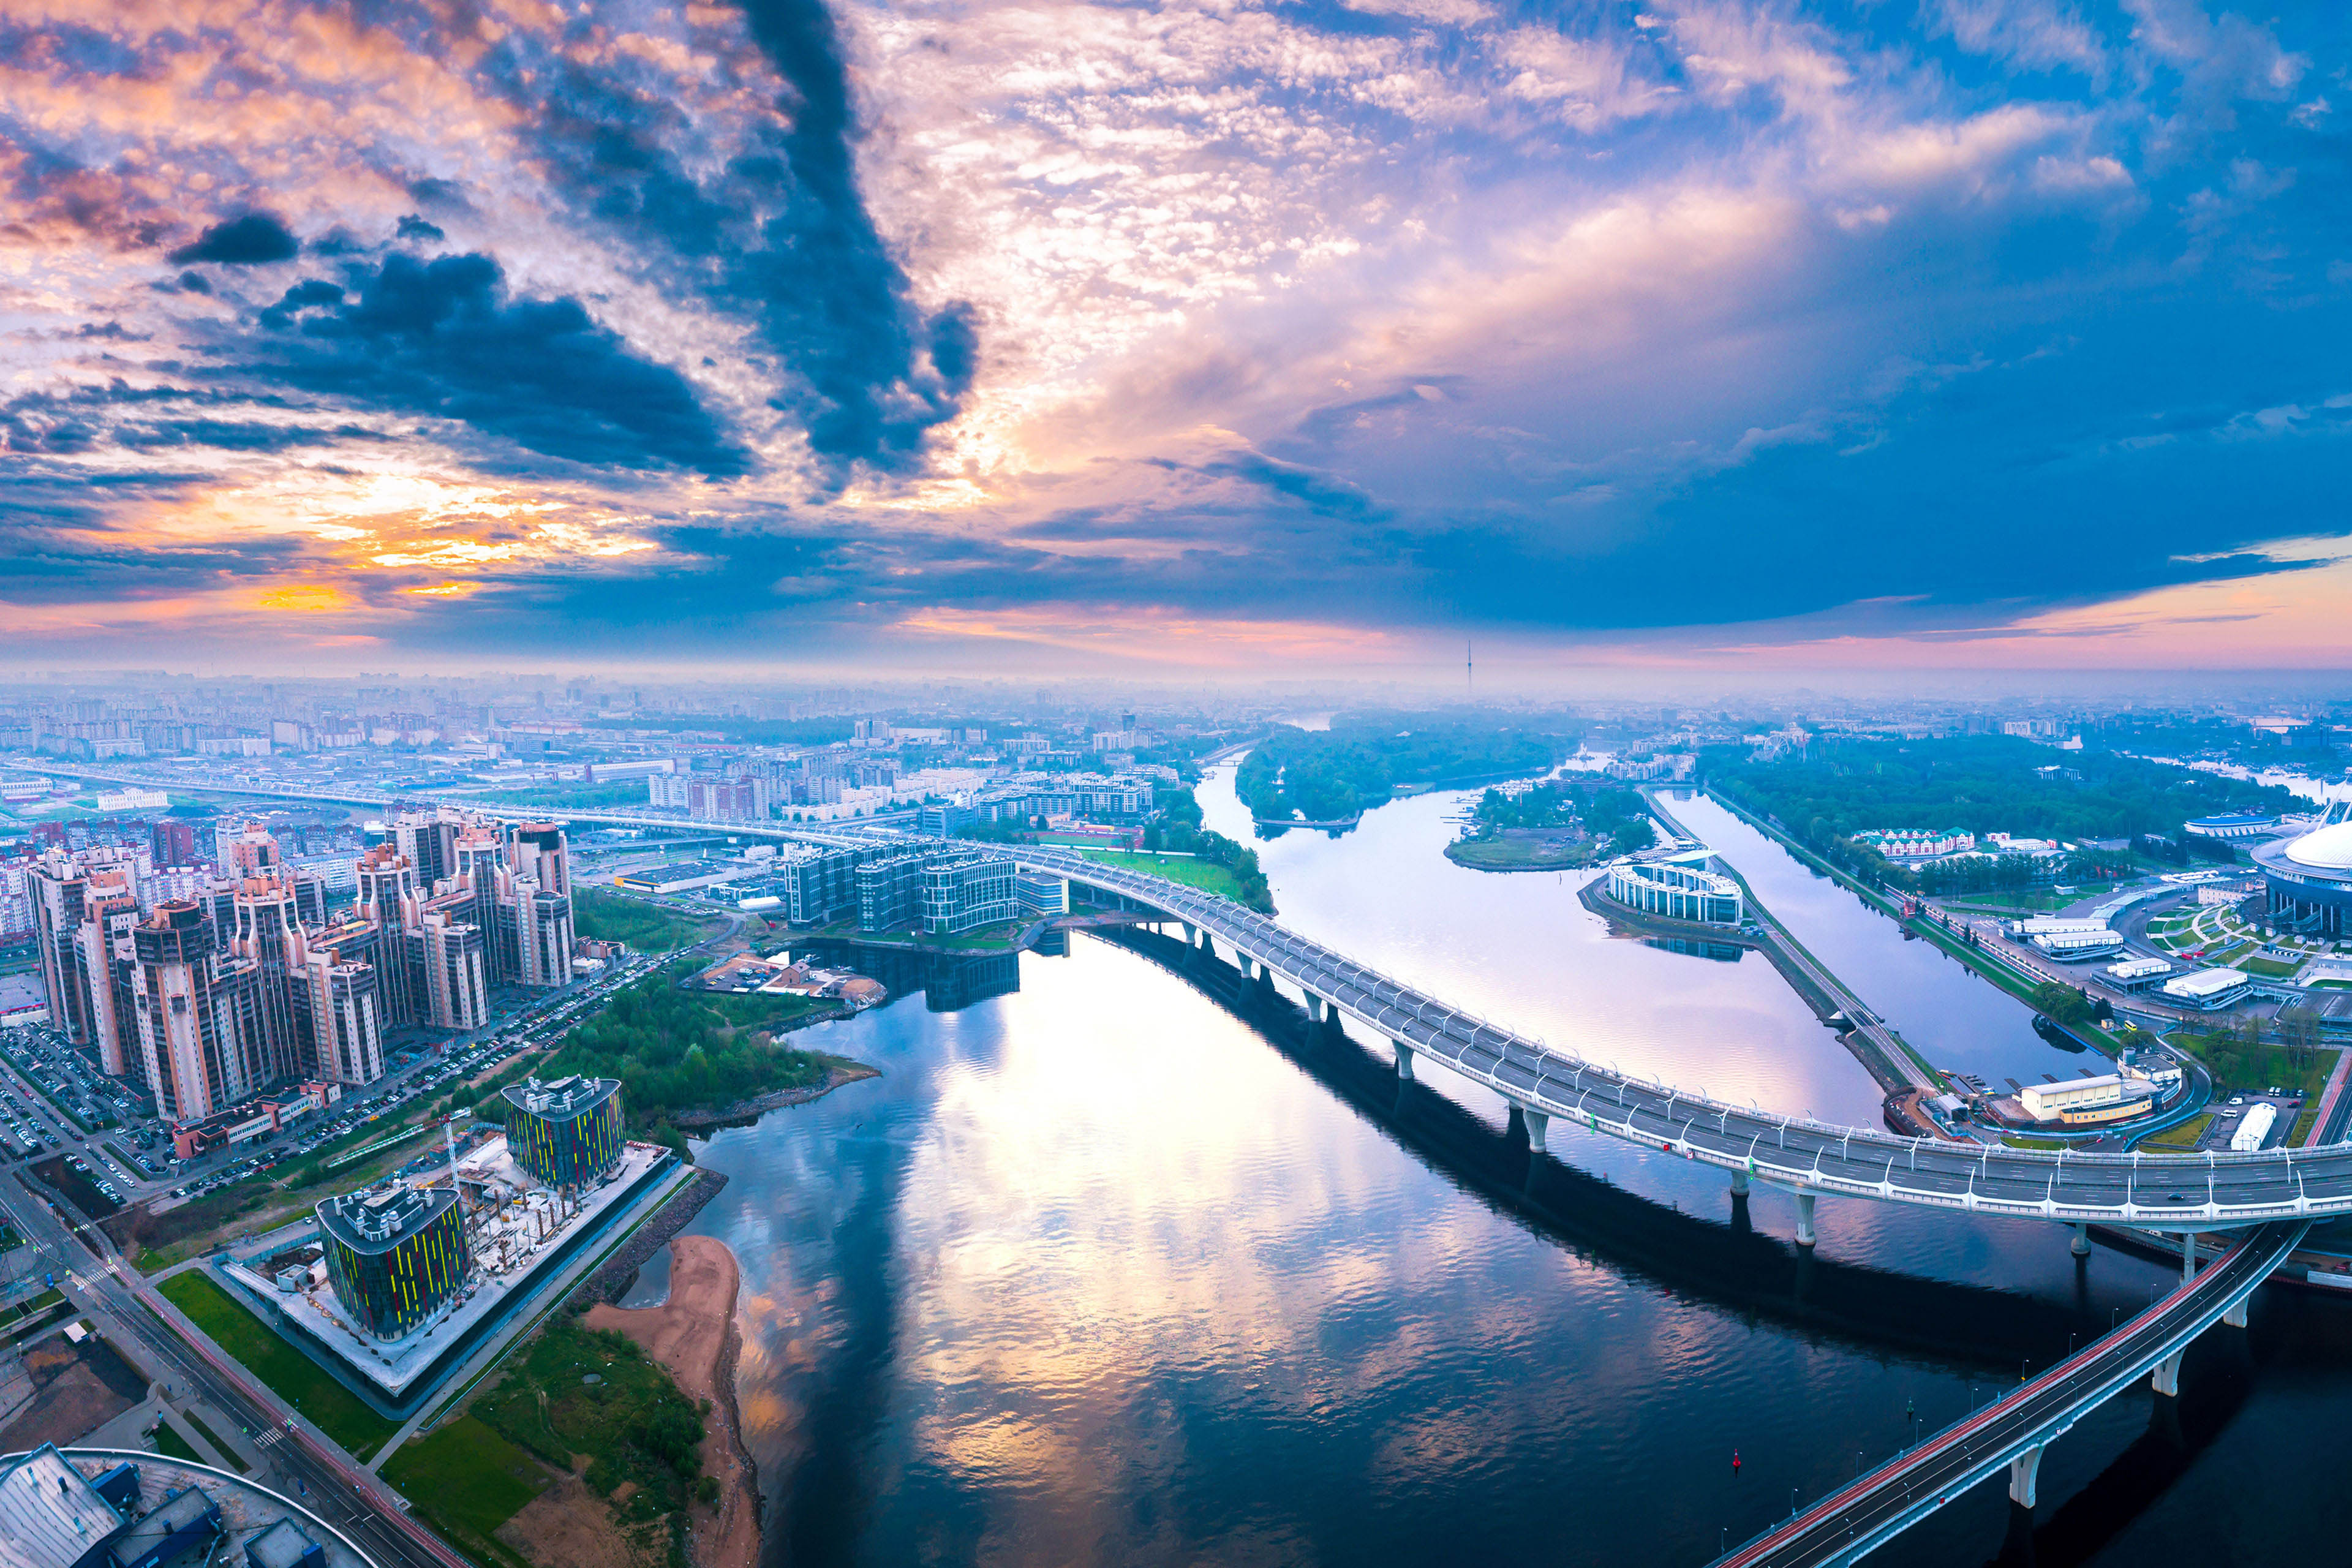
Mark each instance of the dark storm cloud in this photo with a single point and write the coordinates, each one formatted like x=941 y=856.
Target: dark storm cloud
x=778 y=228
x=414 y=228
x=251 y=239
x=445 y=339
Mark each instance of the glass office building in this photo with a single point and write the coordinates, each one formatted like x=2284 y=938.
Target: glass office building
x=393 y=1257
x=566 y=1132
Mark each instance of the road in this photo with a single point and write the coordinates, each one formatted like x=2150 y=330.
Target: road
x=126 y=1309
x=1947 y=1464
x=2149 y=1191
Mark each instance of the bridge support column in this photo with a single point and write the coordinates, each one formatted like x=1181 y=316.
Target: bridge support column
x=1403 y=1059
x=2236 y=1316
x=2167 y=1378
x=1805 y=1219
x=1537 y=1124
x=2081 y=1247
x=2188 y=1256
x=1738 y=1181
x=2023 y=1471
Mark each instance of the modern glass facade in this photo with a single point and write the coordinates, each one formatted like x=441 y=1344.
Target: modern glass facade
x=1678 y=892
x=565 y=1132
x=394 y=1257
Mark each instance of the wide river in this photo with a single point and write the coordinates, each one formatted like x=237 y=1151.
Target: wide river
x=1100 y=1273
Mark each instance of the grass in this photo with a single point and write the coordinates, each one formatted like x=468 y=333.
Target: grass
x=2305 y=1120
x=2015 y=1141
x=632 y=1422
x=293 y=1376
x=209 y=1436
x=169 y=1443
x=605 y=915
x=1531 y=852
x=1193 y=872
x=465 y=1480
x=2268 y=968
x=2184 y=1136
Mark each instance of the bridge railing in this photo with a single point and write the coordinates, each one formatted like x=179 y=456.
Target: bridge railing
x=1292 y=954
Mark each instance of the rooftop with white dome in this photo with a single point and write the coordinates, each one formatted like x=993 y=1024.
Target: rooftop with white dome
x=2308 y=879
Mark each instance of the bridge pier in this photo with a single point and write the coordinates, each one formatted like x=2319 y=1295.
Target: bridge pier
x=2081 y=1247
x=2167 y=1378
x=1738 y=1181
x=1537 y=1124
x=2023 y=1471
x=1404 y=1060
x=2236 y=1316
x=2188 y=1256
x=1805 y=1219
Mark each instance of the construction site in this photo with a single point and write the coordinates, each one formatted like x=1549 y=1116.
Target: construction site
x=392 y=1281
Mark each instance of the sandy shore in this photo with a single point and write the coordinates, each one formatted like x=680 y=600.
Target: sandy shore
x=693 y=1334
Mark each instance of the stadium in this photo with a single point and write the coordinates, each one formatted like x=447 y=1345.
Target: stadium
x=2309 y=880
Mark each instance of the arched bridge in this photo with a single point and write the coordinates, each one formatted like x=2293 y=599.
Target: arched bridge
x=2167 y=1193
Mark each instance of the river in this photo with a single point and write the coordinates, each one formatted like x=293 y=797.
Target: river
x=1100 y=1273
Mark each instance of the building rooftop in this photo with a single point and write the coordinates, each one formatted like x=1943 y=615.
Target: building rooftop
x=2206 y=983
x=50 y=1516
x=375 y=1222
x=562 y=1099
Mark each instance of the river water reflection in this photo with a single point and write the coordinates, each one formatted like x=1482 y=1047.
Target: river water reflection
x=1098 y=1273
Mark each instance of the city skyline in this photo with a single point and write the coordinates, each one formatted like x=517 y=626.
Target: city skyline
x=1988 y=335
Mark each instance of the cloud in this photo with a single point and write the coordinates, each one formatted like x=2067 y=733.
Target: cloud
x=251 y=239
x=443 y=338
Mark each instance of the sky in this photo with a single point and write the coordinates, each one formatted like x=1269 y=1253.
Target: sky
x=1005 y=335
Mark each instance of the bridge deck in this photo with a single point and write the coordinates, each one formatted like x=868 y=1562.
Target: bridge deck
x=2154 y=1192
x=1883 y=1503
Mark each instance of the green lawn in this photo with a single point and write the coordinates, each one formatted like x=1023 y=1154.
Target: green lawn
x=465 y=1480
x=574 y=1390
x=209 y=1436
x=2184 y=1136
x=293 y=1376
x=605 y=915
x=1205 y=875
x=2268 y=968
x=2305 y=1120
x=170 y=1445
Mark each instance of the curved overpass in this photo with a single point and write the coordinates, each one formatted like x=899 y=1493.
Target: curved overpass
x=2175 y=1193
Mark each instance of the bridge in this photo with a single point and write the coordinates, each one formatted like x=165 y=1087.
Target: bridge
x=2011 y=1431
x=2270 y=1198
x=2171 y=1193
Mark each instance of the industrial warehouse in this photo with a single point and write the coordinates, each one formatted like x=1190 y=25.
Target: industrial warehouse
x=390 y=1281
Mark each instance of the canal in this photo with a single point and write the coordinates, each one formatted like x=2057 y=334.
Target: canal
x=1101 y=1271
x=1950 y=1016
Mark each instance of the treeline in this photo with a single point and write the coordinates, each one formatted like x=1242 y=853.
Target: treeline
x=1326 y=775
x=1617 y=816
x=1982 y=784
x=680 y=1050
x=2247 y=1056
x=1179 y=830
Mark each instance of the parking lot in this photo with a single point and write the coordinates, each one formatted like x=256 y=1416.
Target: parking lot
x=131 y=1158
x=2230 y=1115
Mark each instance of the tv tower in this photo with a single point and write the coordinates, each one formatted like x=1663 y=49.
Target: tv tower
x=1469 y=672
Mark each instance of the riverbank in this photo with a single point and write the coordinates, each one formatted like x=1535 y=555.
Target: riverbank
x=838 y=1071
x=1890 y=1064
x=693 y=1335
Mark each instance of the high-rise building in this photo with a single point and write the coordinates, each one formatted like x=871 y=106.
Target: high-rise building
x=395 y=1257
x=499 y=912
x=566 y=1132
x=199 y=1030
